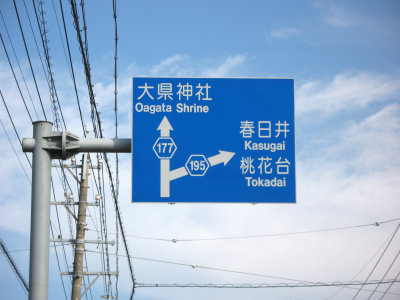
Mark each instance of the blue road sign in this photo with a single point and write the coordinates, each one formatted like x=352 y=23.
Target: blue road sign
x=213 y=140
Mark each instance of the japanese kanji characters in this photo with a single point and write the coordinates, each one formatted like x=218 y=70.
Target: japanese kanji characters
x=246 y=165
x=264 y=130
x=262 y=159
x=182 y=91
x=266 y=165
x=165 y=90
x=146 y=89
x=247 y=129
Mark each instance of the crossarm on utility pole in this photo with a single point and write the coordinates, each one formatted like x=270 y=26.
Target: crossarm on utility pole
x=63 y=145
x=47 y=145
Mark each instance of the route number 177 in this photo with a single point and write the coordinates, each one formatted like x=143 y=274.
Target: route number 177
x=163 y=147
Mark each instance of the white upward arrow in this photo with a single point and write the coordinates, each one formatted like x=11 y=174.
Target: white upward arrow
x=165 y=127
x=222 y=157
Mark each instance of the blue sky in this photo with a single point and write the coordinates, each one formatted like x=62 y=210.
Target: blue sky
x=344 y=56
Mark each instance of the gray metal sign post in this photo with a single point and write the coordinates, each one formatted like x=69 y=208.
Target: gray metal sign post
x=45 y=146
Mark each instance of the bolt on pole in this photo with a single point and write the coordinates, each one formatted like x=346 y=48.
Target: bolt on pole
x=45 y=146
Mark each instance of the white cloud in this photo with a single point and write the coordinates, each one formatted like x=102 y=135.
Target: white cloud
x=356 y=165
x=338 y=17
x=284 y=33
x=227 y=67
x=180 y=65
x=169 y=65
x=345 y=91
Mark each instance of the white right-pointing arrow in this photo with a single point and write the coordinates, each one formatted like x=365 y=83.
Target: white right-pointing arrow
x=222 y=157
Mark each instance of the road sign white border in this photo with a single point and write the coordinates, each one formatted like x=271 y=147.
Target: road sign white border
x=199 y=77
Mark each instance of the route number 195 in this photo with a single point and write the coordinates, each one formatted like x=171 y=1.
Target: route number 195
x=197 y=165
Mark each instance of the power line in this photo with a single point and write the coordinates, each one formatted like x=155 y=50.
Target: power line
x=55 y=103
x=12 y=122
x=263 y=285
x=364 y=266
x=60 y=34
x=72 y=69
x=34 y=38
x=116 y=132
x=29 y=59
x=389 y=287
x=95 y=116
x=106 y=258
x=84 y=51
x=13 y=265
x=50 y=79
x=58 y=261
x=15 y=152
x=19 y=66
x=383 y=253
x=302 y=282
x=375 y=224
x=15 y=129
x=15 y=78
x=60 y=230
x=384 y=275
x=194 y=266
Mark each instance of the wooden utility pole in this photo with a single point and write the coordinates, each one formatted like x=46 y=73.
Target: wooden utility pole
x=45 y=146
x=80 y=231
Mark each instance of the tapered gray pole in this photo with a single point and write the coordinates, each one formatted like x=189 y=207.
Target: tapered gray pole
x=47 y=145
x=40 y=214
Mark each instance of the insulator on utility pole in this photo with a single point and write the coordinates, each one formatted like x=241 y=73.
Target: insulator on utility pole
x=45 y=146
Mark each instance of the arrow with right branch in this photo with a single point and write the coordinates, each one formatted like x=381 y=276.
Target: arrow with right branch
x=223 y=157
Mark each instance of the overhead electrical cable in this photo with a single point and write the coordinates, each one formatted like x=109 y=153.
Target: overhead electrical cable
x=363 y=267
x=61 y=38
x=384 y=275
x=58 y=261
x=379 y=260
x=97 y=125
x=263 y=285
x=106 y=257
x=72 y=69
x=19 y=66
x=116 y=133
x=94 y=113
x=15 y=152
x=50 y=79
x=15 y=129
x=15 y=78
x=174 y=240
x=29 y=59
x=194 y=266
x=59 y=228
x=389 y=287
x=14 y=267
x=36 y=43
